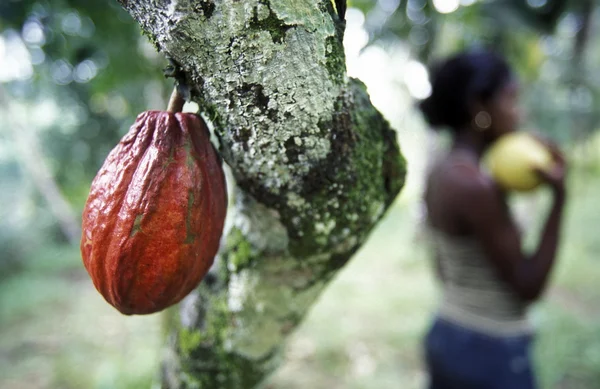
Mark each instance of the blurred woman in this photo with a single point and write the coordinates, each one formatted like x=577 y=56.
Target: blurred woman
x=481 y=338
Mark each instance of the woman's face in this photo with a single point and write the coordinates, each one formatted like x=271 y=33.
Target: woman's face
x=504 y=110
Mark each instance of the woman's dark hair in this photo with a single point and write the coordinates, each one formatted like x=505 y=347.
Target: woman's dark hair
x=460 y=81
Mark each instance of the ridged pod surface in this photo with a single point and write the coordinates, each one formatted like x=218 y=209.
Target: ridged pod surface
x=155 y=213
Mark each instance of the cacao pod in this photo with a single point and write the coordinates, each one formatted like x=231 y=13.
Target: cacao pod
x=155 y=213
x=513 y=159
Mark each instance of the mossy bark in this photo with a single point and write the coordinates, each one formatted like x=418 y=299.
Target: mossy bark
x=315 y=167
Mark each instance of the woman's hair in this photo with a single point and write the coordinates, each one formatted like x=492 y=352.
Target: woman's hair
x=458 y=82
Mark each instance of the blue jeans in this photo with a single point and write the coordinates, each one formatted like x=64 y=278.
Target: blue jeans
x=460 y=358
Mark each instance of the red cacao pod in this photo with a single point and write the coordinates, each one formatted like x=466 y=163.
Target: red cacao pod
x=155 y=213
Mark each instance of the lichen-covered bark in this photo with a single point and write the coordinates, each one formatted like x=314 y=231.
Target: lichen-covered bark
x=315 y=168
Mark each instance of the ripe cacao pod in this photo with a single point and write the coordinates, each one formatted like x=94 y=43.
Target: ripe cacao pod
x=513 y=158
x=155 y=213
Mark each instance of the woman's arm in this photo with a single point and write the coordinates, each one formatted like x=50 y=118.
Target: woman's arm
x=537 y=268
x=482 y=208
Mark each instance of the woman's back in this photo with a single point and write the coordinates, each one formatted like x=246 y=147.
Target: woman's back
x=473 y=293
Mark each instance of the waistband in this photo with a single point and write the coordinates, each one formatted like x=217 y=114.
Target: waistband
x=487 y=325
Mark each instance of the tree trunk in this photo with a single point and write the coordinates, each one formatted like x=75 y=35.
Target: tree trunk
x=315 y=168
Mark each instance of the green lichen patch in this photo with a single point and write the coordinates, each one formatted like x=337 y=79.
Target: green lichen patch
x=206 y=357
x=204 y=7
x=238 y=251
x=335 y=59
x=268 y=21
x=350 y=189
x=393 y=163
x=343 y=195
x=227 y=371
x=254 y=94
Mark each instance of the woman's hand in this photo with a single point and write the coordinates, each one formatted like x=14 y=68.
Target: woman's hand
x=554 y=177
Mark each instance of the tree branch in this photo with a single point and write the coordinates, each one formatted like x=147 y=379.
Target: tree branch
x=315 y=165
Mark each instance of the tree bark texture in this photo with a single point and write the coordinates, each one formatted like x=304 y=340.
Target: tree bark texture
x=315 y=167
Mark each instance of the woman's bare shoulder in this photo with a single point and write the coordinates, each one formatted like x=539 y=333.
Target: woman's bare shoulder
x=463 y=190
x=459 y=173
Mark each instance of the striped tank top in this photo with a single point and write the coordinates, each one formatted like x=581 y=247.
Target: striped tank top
x=473 y=295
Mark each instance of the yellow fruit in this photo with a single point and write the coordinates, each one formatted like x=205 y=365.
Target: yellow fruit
x=513 y=158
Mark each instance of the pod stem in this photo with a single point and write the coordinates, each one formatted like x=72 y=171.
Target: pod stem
x=176 y=102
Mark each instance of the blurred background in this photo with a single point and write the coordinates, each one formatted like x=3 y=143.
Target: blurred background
x=75 y=73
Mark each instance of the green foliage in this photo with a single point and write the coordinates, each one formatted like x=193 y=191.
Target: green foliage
x=560 y=92
x=109 y=102
x=91 y=73
x=543 y=18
